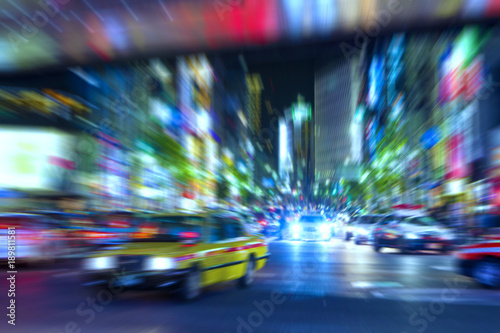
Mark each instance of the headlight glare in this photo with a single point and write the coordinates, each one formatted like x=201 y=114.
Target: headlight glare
x=411 y=235
x=100 y=263
x=324 y=228
x=296 y=228
x=362 y=231
x=159 y=264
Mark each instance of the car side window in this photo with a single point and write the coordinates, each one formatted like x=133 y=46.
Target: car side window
x=216 y=231
x=229 y=229
x=240 y=230
x=385 y=221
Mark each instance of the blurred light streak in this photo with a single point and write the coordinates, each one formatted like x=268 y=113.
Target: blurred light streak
x=79 y=19
x=93 y=10
x=162 y=4
x=130 y=10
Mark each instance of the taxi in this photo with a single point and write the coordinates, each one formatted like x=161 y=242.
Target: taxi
x=182 y=252
x=481 y=261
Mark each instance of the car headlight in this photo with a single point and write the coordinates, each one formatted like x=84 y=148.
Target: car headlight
x=447 y=236
x=324 y=228
x=296 y=228
x=159 y=264
x=100 y=263
x=362 y=231
x=411 y=236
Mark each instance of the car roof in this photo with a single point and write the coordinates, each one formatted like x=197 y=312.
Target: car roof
x=19 y=215
x=219 y=213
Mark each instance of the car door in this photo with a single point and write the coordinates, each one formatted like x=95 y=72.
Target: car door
x=389 y=232
x=214 y=252
x=236 y=256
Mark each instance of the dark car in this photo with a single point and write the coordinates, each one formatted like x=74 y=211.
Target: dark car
x=411 y=234
x=269 y=223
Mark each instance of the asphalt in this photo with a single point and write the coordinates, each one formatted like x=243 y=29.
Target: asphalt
x=305 y=287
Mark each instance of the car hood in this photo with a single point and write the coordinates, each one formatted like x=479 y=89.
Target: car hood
x=424 y=229
x=167 y=249
x=364 y=226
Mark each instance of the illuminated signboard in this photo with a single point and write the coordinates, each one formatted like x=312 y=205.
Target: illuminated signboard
x=37 y=159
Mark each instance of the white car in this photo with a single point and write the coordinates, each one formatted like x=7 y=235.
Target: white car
x=311 y=227
x=412 y=234
x=362 y=227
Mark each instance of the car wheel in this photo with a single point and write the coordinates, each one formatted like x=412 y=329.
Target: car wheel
x=357 y=242
x=376 y=246
x=192 y=285
x=246 y=280
x=404 y=250
x=346 y=237
x=487 y=273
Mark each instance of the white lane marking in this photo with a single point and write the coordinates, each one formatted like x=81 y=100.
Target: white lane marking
x=375 y=284
x=444 y=268
x=265 y=275
x=66 y=274
x=469 y=296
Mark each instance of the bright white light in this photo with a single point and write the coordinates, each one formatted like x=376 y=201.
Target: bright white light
x=100 y=263
x=455 y=186
x=411 y=236
x=362 y=231
x=324 y=229
x=26 y=157
x=363 y=178
x=157 y=264
x=203 y=121
x=296 y=228
x=242 y=118
x=283 y=141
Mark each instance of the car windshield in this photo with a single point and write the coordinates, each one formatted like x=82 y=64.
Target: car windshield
x=368 y=219
x=118 y=221
x=169 y=229
x=422 y=222
x=311 y=219
x=260 y=216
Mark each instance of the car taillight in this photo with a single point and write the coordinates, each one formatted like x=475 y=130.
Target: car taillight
x=262 y=222
x=189 y=234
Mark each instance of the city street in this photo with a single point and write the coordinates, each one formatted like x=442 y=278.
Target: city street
x=305 y=287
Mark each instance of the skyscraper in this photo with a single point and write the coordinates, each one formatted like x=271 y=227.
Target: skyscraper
x=300 y=129
x=255 y=87
x=333 y=118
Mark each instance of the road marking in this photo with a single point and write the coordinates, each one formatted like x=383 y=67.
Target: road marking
x=265 y=275
x=66 y=274
x=467 y=297
x=375 y=284
x=444 y=268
